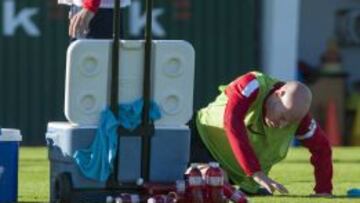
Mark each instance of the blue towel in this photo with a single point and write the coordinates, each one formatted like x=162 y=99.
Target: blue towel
x=130 y=114
x=96 y=162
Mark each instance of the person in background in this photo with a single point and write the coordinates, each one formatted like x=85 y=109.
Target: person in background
x=92 y=18
x=250 y=126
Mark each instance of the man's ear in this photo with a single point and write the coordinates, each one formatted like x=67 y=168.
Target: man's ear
x=280 y=92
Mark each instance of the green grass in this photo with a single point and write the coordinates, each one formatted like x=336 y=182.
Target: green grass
x=33 y=175
x=295 y=173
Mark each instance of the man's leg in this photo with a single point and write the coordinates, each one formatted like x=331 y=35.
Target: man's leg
x=101 y=26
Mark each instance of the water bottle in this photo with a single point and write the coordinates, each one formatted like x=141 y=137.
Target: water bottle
x=195 y=184
x=214 y=178
x=233 y=194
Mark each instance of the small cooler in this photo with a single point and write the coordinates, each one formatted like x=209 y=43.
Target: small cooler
x=9 y=155
x=169 y=156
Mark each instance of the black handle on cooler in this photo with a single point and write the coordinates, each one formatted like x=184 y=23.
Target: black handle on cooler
x=147 y=124
x=114 y=76
x=114 y=87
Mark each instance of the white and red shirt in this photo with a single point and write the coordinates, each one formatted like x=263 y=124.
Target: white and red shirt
x=93 y=5
x=246 y=89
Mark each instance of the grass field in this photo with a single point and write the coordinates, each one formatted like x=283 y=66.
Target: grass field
x=295 y=173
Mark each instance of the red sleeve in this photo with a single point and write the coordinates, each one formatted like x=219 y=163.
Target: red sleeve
x=313 y=137
x=91 y=5
x=241 y=93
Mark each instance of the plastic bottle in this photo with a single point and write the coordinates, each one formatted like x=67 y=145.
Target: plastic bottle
x=195 y=184
x=214 y=178
x=109 y=199
x=233 y=194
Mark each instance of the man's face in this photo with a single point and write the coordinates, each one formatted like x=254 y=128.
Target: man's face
x=278 y=111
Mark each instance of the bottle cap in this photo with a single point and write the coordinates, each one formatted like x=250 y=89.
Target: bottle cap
x=214 y=164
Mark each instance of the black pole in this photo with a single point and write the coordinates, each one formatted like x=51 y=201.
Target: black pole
x=114 y=86
x=146 y=123
x=114 y=77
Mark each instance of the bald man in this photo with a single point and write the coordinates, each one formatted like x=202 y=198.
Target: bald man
x=250 y=126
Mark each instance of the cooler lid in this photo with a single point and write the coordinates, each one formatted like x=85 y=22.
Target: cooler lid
x=7 y=134
x=173 y=63
x=63 y=125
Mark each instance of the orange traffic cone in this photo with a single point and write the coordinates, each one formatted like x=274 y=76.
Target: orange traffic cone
x=332 y=126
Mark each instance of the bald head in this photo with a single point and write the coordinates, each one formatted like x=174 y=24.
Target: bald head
x=288 y=104
x=296 y=98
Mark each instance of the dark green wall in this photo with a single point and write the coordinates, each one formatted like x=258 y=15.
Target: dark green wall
x=32 y=66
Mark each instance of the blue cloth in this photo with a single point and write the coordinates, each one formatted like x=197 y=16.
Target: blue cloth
x=130 y=114
x=355 y=192
x=96 y=162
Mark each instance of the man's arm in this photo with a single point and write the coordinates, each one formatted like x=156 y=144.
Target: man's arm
x=313 y=137
x=79 y=23
x=241 y=94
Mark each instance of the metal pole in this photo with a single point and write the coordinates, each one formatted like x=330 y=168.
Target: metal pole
x=146 y=123
x=114 y=86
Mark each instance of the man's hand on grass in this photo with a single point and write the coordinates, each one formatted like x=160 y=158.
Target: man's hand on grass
x=269 y=184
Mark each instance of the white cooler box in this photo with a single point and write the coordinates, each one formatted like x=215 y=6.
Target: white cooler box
x=170 y=148
x=87 y=71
